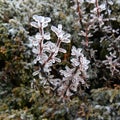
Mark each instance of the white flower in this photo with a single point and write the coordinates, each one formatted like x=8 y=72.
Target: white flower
x=64 y=37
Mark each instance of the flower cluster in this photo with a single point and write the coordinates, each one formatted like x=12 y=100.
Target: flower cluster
x=46 y=55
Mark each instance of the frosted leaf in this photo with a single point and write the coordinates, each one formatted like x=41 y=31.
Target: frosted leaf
x=75 y=62
x=61 y=90
x=67 y=68
x=68 y=72
x=76 y=52
x=38 y=57
x=79 y=59
x=89 y=35
x=47 y=36
x=67 y=35
x=40 y=76
x=38 y=18
x=64 y=37
x=113 y=54
x=38 y=36
x=36 y=73
x=59 y=27
x=43 y=58
x=86 y=62
x=47 y=19
x=55 y=30
x=44 y=25
x=47 y=67
x=50 y=47
x=34 y=24
x=31 y=41
x=74 y=87
x=48 y=64
x=83 y=33
x=110 y=2
x=35 y=43
x=36 y=51
x=12 y=31
x=53 y=60
x=102 y=7
x=73 y=51
x=90 y=1
x=31 y=38
x=34 y=61
x=81 y=1
x=55 y=82
x=82 y=81
x=57 y=59
x=94 y=10
x=62 y=50
x=68 y=93
x=41 y=20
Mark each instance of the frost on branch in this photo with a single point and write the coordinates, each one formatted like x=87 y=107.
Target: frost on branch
x=46 y=53
x=75 y=77
x=112 y=63
x=64 y=37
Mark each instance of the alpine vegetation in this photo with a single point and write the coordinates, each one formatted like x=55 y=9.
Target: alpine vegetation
x=46 y=55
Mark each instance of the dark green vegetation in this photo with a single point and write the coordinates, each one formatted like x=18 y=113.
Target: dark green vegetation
x=101 y=101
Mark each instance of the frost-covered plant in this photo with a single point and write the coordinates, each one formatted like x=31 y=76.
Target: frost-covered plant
x=47 y=54
x=113 y=64
x=97 y=26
